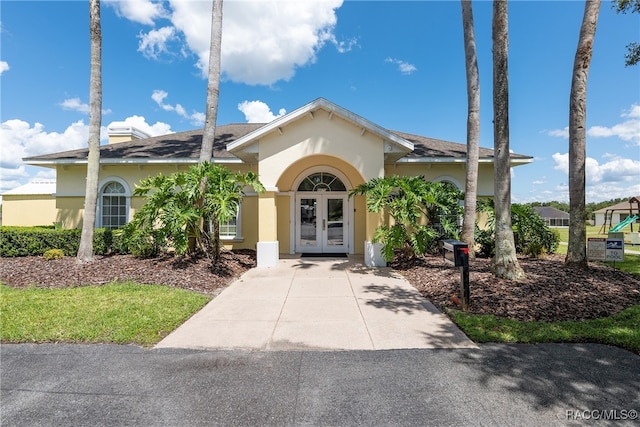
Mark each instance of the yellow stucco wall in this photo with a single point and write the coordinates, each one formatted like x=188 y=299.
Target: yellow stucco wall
x=284 y=223
x=71 y=179
x=342 y=139
x=70 y=211
x=28 y=210
x=445 y=172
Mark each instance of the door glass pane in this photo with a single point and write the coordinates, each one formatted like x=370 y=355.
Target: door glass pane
x=308 y=223
x=335 y=225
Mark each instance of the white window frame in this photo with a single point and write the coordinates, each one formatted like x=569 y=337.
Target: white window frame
x=238 y=235
x=127 y=196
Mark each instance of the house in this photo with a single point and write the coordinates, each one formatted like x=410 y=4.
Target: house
x=308 y=160
x=615 y=214
x=552 y=217
x=30 y=204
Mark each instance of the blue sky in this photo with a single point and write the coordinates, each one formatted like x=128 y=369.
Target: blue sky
x=399 y=64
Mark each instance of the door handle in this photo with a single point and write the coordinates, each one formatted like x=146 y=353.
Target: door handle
x=324 y=224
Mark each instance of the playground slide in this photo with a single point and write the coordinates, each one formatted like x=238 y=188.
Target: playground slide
x=623 y=224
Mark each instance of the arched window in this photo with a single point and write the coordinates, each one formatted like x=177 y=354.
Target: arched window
x=322 y=181
x=113 y=205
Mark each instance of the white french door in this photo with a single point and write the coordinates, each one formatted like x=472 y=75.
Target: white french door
x=322 y=222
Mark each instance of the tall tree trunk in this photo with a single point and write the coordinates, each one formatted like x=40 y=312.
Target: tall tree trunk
x=473 y=128
x=213 y=87
x=576 y=250
x=85 y=251
x=505 y=263
x=213 y=94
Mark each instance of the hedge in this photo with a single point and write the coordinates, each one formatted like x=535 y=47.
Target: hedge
x=35 y=241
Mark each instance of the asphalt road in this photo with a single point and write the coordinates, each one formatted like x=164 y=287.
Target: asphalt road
x=495 y=385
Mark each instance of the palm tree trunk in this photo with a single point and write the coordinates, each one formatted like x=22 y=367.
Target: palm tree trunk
x=213 y=87
x=576 y=250
x=473 y=128
x=85 y=250
x=505 y=263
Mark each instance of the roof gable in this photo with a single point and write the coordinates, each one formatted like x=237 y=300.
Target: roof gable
x=395 y=145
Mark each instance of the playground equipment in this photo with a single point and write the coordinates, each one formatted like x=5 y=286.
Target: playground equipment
x=628 y=220
x=632 y=216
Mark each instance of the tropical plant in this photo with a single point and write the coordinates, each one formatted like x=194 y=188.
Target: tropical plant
x=532 y=236
x=421 y=212
x=177 y=210
x=85 y=250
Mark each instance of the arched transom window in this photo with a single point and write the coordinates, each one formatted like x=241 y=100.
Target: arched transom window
x=113 y=205
x=322 y=181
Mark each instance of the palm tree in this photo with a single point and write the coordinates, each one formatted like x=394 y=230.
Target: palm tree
x=213 y=87
x=505 y=263
x=576 y=250
x=473 y=128
x=85 y=250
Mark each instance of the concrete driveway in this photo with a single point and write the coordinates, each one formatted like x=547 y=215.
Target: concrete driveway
x=318 y=304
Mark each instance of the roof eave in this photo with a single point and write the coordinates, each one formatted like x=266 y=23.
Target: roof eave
x=513 y=162
x=67 y=162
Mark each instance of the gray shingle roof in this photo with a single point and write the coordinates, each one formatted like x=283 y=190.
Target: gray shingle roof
x=180 y=145
x=425 y=147
x=186 y=145
x=550 y=212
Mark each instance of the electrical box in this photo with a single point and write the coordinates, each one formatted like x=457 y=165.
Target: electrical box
x=455 y=252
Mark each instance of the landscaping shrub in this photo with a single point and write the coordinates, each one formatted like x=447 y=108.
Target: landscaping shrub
x=53 y=254
x=35 y=241
x=531 y=235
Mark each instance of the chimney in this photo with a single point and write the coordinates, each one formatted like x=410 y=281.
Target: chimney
x=122 y=132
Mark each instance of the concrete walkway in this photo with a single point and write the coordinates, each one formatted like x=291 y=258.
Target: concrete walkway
x=318 y=304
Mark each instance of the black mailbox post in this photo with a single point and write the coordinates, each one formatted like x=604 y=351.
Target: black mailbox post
x=456 y=253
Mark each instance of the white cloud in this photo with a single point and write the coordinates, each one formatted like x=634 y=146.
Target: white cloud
x=141 y=11
x=139 y=122
x=562 y=133
x=345 y=45
x=258 y=112
x=627 y=130
x=4 y=66
x=263 y=41
x=20 y=139
x=403 y=67
x=617 y=177
x=154 y=43
x=75 y=104
x=196 y=118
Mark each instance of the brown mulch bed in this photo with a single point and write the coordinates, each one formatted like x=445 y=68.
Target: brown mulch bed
x=551 y=291
x=195 y=275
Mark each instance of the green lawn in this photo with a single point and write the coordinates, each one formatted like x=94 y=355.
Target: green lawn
x=119 y=313
x=631 y=262
x=621 y=330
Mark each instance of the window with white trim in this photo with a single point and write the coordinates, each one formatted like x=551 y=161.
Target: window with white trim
x=231 y=229
x=113 y=205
